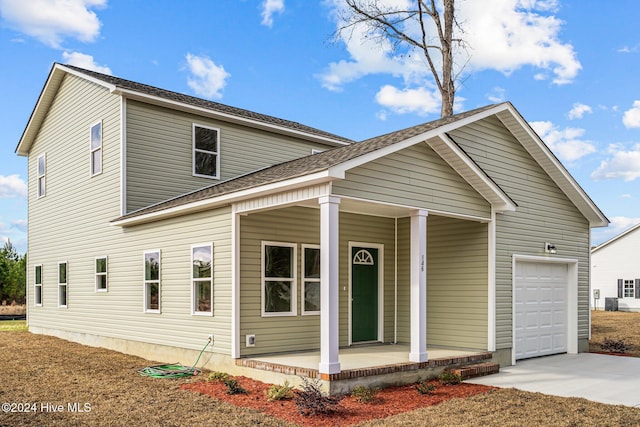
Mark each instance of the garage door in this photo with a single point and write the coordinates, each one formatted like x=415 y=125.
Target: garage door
x=541 y=291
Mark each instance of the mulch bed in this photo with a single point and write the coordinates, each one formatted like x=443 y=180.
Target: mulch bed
x=387 y=402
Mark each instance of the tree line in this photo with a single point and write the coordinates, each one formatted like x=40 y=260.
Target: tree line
x=13 y=274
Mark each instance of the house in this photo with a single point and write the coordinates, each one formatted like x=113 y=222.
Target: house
x=157 y=220
x=615 y=272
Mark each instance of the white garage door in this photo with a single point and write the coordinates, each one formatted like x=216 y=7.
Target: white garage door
x=541 y=291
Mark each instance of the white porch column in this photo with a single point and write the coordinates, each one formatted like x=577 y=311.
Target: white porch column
x=418 y=286
x=329 y=237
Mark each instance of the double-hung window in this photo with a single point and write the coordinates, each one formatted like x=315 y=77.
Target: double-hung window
x=202 y=279
x=96 y=148
x=206 y=151
x=101 y=274
x=311 y=279
x=37 y=286
x=278 y=279
x=63 y=290
x=628 y=289
x=42 y=172
x=152 y=281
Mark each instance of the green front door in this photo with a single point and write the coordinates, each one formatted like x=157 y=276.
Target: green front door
x=364 y=293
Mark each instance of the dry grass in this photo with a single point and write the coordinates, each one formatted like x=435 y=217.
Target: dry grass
x=616 y=325
x=12 y=309
x=40 y=369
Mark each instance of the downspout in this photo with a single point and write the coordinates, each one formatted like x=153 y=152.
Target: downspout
x=395 y=284
x=491 y=303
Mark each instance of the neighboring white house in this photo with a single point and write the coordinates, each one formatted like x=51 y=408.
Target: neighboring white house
x=615 y=271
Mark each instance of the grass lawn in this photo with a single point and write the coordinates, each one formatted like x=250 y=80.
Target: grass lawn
x=13 y=325
x=48 y=372
x=615 y=325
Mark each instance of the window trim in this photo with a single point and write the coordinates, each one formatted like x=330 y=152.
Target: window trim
x=146 y=282
x=196 y=280
x=92 y=150
x=41 y=178
x=304 y=280
x=194 y=149
x=294 y=280
x=37 y=285
x=625 y=287
x=65 y=284
x=105 y=273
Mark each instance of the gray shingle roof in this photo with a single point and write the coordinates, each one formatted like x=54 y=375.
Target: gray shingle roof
x=302 y=166
x=203 y=103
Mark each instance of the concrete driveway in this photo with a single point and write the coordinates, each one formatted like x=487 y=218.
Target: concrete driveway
x=608 y=379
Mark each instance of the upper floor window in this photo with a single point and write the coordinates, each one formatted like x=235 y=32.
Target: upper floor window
x=96 y=148
x=278 y=279
x=37 y=286
x=202 y=279
x=206 y=151
x=152 y=281
x=42 y=171
x=101 y=273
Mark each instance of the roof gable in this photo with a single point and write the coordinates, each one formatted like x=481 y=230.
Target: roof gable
x=631 y=232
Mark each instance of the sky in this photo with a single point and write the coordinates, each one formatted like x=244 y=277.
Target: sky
x=570 y=67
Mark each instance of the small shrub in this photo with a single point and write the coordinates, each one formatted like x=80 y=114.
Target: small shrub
x=312 y=401
x=218 y=376
x=364 y=394
x=423 y=387
x=615 y=346
x=233 y=387
x=279 y=392
x=449 y=377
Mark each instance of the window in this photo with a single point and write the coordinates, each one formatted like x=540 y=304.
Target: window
x=37 y=287
x=311 y=279
x=96 y=149
x=628 y=289
x=63 y=268
x=101 y=274
x=202 y=279
x=206 y=151
x=278 y=279
x=152 y=281
x=42 y=171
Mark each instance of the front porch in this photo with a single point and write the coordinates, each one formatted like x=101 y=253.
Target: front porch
x=377 y=365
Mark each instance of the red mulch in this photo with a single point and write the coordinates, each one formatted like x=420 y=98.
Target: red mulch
x=387 y=402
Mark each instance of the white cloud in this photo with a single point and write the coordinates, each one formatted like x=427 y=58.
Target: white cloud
x=269 y=8
x=623 y=164
x=579 y=110
x=566 y=143
x=207 y=79
x=12 y=186
x=50 y=21
x=618 y=225
x=497 y=95
x=631 y=117
x=20 y=224
x=419 y=101
x=83 y=60
x=502 y=35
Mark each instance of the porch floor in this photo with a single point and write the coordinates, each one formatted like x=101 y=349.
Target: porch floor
x=362 y=361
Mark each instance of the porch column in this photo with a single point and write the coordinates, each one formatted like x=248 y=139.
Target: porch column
x=418 y=286
x=329 y=237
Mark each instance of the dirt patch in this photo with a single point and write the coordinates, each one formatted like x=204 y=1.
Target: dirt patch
x=387 y=402
x=615 y=325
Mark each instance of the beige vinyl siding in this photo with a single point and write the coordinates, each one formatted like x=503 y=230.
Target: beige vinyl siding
x=415 y=176
x=457 y=283
x=544 y=214
x=72 y=223
x=301 y=225
x=160 y=148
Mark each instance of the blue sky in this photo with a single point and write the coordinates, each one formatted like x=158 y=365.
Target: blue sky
x=570 y=67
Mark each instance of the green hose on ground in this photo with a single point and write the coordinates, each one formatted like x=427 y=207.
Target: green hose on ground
x=172 y=370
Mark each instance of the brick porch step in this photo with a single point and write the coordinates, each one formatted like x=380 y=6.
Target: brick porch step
x=477 y=370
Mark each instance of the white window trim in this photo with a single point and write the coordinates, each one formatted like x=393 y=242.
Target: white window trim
x=145 y=282
x=43 y=176
x=194 y=149
x=293 y=280
x=193 y=281
x=92 y=150
x=36 y=285
x=304 y=281
x=65 y=284
x=105 y=274
x=626 y=282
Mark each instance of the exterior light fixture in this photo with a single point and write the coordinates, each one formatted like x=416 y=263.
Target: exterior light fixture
x=549 y=248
